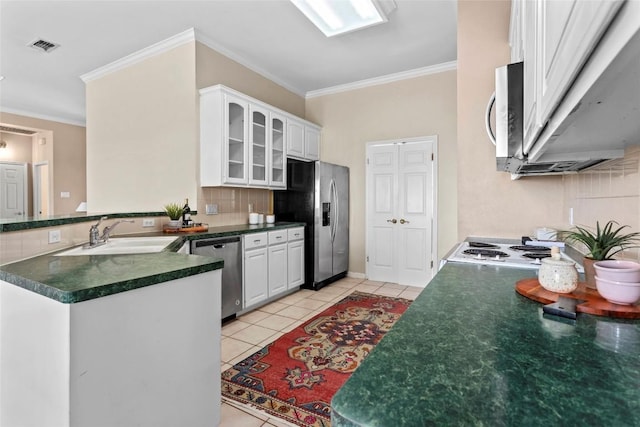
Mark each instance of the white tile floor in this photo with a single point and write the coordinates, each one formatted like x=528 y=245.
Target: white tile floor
x=252 y=331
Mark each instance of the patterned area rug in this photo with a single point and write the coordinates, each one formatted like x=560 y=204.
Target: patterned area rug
x=296 y=376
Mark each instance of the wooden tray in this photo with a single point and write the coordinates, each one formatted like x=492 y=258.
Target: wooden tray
x=594 y=303
x=195 y=229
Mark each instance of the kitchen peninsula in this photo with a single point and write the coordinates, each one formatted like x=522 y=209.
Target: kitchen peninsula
x=106 y=340
x=471 y=351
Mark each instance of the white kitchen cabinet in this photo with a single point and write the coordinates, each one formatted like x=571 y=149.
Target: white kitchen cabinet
x=558 y=38
x=272 y=264
x=258 y=146
x=303 y=140
x=242 y=141
x=277 y=262
x=224 y=139
x=295 y=257
x=255 y=268
x=277 y=152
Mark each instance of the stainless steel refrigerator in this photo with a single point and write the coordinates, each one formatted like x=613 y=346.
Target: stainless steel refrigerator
x=318 y=195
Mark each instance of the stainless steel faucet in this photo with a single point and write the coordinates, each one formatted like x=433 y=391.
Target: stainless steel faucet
x=94 y=235
x=109 y=229
x=95 y=239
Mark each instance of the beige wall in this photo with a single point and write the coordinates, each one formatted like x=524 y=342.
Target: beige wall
x=65 y=152
x=420 y=106
x=489 y=202
x=142 y=134
x=18 y=148
x=214 y=68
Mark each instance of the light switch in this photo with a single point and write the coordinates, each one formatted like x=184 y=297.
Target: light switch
x=65 y=194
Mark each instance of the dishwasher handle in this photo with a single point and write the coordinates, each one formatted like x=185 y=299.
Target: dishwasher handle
x=217 y=243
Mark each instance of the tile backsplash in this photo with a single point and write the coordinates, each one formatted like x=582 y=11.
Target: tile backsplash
x=233 y=204
x=608 y=192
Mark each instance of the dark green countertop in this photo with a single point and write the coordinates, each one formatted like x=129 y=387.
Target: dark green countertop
x=471 y=351
x=7 y=225
x=72 y=279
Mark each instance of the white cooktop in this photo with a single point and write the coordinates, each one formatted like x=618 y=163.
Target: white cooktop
x=501 y=253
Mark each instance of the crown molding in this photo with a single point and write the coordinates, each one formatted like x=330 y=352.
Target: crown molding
x=43 y=117
x=139 y=56
x=389 y=78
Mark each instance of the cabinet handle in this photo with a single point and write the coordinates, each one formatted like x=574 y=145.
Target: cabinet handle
x=278 y=237
x=257 y=241
x=404 y=221
x=393 y=221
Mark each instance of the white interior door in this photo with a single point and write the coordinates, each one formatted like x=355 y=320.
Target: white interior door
x=13 y=190
x=401 y=211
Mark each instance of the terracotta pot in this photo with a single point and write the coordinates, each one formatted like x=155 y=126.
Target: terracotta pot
x=589 y=272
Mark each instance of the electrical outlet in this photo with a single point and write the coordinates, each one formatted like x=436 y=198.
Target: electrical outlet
x=54 y=236
x=250 y=207
x=150 y=222
x=211 y=209
x=65 y=195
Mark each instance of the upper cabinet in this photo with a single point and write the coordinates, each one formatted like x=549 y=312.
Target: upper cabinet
x=303 y=140
x=555 y=39
x=244 y=142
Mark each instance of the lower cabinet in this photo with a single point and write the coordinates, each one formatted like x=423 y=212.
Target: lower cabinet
x=295 y=258
x=277 y=262
x=255 y=269
x=273 y=264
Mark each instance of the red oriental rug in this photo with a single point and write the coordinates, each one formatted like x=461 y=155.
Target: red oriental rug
x=296 y=376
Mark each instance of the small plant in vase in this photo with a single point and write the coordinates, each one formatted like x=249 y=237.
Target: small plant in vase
x=174 y=211
x=602 y=244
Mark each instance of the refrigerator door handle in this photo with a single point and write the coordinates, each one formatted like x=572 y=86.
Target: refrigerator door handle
x=334 y=202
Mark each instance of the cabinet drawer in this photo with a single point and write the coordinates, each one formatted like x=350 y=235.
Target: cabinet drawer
x=279 y=236
x=295 y=233
x=255 y=240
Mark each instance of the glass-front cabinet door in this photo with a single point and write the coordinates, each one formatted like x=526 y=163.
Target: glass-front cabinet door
x=236 y=140
x=278 y=161
x=258 y=146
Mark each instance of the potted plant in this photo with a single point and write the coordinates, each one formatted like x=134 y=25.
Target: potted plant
x=602 y=244
x=174 y=211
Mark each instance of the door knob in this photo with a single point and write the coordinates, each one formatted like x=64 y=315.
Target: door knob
x=393 y=221
x=404 y=221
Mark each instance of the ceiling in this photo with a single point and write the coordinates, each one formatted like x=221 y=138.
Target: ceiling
x=269 y=36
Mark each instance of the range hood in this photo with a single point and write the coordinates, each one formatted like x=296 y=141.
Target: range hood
x=598 y=117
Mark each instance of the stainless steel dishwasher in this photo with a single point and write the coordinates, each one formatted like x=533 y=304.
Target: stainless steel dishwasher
x=230 y=250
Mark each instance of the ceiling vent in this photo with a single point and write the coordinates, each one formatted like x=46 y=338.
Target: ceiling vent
x=19 y=131
x=43 y=45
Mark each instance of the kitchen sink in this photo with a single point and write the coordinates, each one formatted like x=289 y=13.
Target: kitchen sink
x=124 y=245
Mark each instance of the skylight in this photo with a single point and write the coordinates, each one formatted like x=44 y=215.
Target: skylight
x=335 y=17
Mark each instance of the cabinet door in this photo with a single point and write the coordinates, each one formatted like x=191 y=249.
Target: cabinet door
x=566 y=34
x=277 y=269
x=311 y=143
x=235 y=147
x=570 y=30
x=277 y=158
x=530 y=84
x=295 y=138
x=255 y=276
x=258 y=146
x=295 y=264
